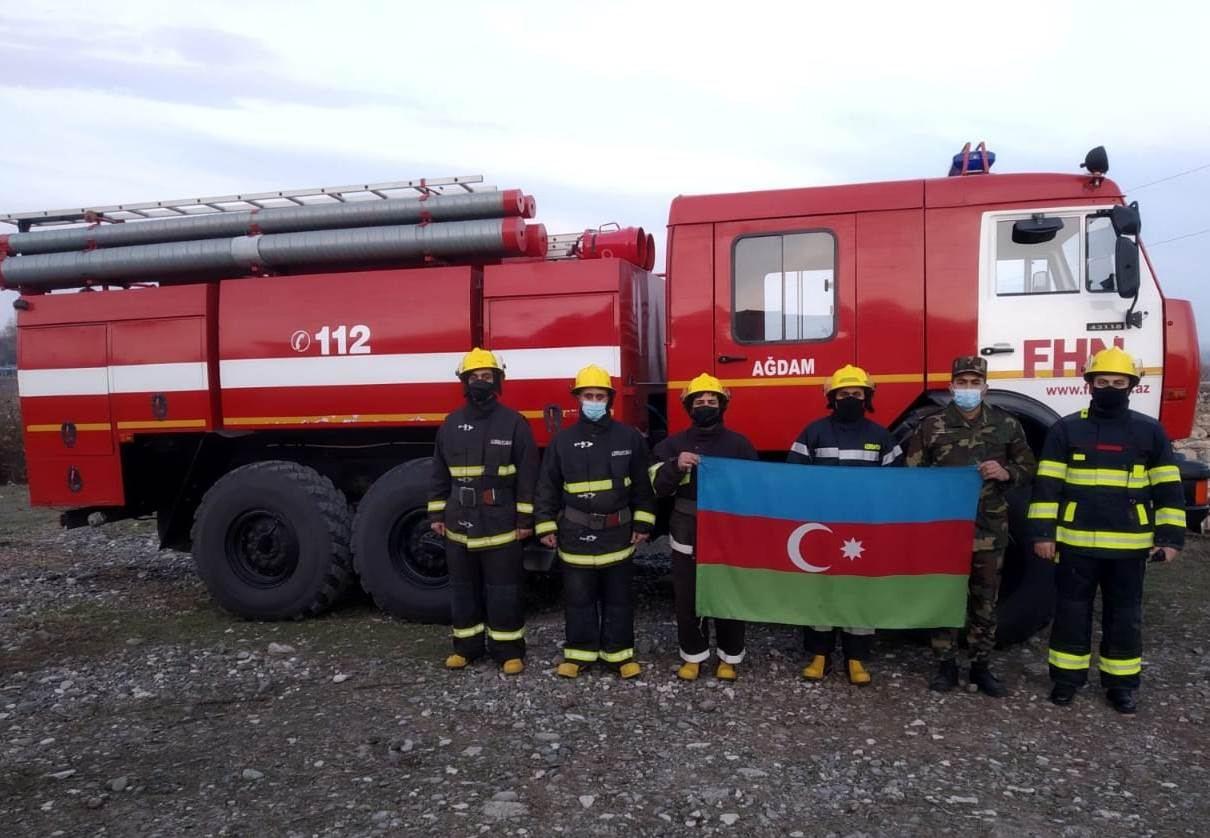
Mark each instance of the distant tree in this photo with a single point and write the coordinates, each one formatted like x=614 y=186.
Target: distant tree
x=8 y=344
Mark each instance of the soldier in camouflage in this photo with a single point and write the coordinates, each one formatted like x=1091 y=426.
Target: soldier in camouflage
x=969 y=432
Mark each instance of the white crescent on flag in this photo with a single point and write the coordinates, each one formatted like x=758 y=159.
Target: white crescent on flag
x=794 y=547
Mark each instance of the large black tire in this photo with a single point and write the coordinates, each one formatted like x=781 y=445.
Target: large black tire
x=271 y=541
x=400 y=560
x=1027 y=585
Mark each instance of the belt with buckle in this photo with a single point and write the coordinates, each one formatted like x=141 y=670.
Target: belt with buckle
x=597 y=520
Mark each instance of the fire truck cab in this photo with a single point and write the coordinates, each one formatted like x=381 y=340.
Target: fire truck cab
x=772 y=291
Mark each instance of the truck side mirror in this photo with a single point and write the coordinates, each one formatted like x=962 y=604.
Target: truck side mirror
x=1126 y=220
x=1126 y=267
x=1036 y=230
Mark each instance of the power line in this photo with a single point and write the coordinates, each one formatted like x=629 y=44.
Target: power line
x=1170 y=177
x=1178 y=238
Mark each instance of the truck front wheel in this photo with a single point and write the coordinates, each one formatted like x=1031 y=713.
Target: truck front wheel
x=400 y=560
x=1027 y=584
x=271 y=541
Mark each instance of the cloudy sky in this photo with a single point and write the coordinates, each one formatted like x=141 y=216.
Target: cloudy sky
x=607 y=110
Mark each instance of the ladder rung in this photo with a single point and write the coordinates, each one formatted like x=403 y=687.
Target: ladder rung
x=236 y=203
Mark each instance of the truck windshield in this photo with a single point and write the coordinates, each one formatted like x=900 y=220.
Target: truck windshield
x=1046 y=268
x=1054 y=267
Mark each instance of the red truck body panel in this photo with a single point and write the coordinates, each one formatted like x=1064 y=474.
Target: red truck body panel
x=404 y=332
x=549 y=319
x=1182 y=369
x=96 y=368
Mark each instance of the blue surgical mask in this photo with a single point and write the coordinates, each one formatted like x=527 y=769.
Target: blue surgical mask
x=593 y=410
x=968 y=399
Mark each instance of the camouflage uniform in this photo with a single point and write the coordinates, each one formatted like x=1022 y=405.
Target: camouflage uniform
x=949 y=439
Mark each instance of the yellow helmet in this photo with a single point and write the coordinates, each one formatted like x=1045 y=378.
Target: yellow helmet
x=592 y=376
x=479 y=359
x=1113 y=361
x=705 y=383
x=848 y=376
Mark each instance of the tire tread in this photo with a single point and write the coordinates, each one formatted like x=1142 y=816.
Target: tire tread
x=333 y=507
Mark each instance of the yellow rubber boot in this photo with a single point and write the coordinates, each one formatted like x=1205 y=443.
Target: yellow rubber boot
x=858 y=674
x=512 y=666
x=456 y=661
x=689 y=671
x=567 y=669
x=629 y=669
x=725 y=671
x=816 y=669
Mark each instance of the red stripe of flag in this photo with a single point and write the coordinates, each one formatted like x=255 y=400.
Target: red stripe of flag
x=870 y=550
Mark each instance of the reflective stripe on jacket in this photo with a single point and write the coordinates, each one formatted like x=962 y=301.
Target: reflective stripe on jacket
x=485 y=467
x=598 y=468
x=829 y=442
x=1108 y=486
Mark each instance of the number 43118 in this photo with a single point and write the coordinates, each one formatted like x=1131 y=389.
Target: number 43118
x=337 y=341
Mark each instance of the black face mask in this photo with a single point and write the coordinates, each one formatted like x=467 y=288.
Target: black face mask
x=480 y=392
x=850 y=410
x=704 y=416
x=1110 y=399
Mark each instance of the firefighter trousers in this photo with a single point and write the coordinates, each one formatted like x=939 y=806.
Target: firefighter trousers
x=856 y=643
x=1077 y=579
x=598 y=609
x=983 y=588
x=485 y=601
x=693 y=631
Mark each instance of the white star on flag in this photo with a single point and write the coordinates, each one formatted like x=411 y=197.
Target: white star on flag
x=852 y=549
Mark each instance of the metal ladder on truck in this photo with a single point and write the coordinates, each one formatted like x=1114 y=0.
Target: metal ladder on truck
x=118 y=213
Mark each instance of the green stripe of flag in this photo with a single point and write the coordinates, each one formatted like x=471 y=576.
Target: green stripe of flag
x=799 y=599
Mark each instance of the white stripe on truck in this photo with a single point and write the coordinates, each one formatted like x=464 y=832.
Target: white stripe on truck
x=158 y=378
x=310 y=371
x=125 y=378
x=415 y=368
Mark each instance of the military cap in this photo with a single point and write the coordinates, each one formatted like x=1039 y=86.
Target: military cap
x=969 y=363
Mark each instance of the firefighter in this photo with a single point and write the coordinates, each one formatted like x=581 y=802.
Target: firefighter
x=1108 y=494
x=485 y=465
x=970 y=432
x=673 y=474
x=594 y=504
x=845 y=438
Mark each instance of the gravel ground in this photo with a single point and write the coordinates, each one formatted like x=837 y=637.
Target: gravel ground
x=130 y=705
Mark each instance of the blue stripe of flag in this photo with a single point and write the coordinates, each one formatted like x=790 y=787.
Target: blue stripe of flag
x=838 y=494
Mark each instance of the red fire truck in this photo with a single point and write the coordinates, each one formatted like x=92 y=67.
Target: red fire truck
x=265 y=373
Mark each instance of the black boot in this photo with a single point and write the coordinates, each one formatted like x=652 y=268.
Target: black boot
x=988 y=684
x=1062 y=694
x=1122 y=699
x=946 y=678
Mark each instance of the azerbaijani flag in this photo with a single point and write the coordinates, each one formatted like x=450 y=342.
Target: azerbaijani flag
x=829 y=545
